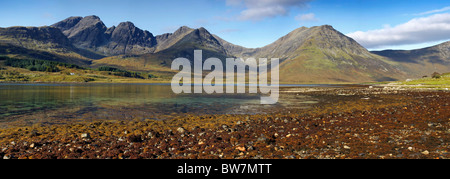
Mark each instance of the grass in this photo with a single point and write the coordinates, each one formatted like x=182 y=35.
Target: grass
x=438 y=83
x=68 y=75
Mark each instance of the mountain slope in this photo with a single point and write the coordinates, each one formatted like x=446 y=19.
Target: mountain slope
x=421 y=62
x=167 y=40
x=126 y=38
x=90 y=33
x=47 y=43
x=182 y=43
x=321 y=55
x=197 y=39
x=307 y=55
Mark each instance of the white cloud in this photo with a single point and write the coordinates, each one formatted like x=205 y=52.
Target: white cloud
x=419 y=30
x=306 y=17
x=261 y=9
x=434 y=11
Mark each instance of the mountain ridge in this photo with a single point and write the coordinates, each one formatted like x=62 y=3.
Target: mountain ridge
x=319 y=54
x=420 y=62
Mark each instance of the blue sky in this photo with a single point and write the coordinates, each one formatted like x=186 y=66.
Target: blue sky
x=376 y=24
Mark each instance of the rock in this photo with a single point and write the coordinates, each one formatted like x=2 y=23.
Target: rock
x=242 y=149
x=121 y=139
x=150 y=134
x=85 y=136
x=262 y=139
x=8 y=156
x=250 y=148
x=276 y=135
x=153 y=134
x=347 y=147
x=290 y=157
x=34 y=133
x=181 y=130
x=225 y=127
x=135 y=138
x=425 y=152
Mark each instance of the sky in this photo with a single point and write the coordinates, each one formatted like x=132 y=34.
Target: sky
x=375 y=24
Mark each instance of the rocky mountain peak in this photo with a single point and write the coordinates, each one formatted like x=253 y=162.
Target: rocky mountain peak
x=87 y=32
x=127 y=24
x=68 y=23
x=128 y=33
x=182 y=30
x=327 y=27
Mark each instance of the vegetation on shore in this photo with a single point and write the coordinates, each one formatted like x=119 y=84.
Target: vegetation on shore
x=32 y=70
x=435 y=81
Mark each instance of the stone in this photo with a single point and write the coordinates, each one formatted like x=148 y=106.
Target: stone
x=181 y=130
x=85 y=136
x=150 y=134
x=134 y=138
x=425 y=152
x=263 y=139
x=225 y=127
x=242 y=149
x=8 y=156
x=34 y=133
x=347 y=147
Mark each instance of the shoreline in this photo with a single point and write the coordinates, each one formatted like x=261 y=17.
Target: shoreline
x=363 y=123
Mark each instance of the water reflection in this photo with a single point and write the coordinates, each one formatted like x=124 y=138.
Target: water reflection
x=111 y=101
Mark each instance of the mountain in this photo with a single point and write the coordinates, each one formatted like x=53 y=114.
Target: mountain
x=421 y=62
x=128 y=39
x=47 y=43
x=195 y=39
x=319 y=55
x=90 y=33
x=181 y=43
x=165 y=41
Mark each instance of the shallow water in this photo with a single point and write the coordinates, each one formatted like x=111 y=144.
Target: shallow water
x=127 y=100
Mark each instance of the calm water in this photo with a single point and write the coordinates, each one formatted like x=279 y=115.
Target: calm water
x=122 y=100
